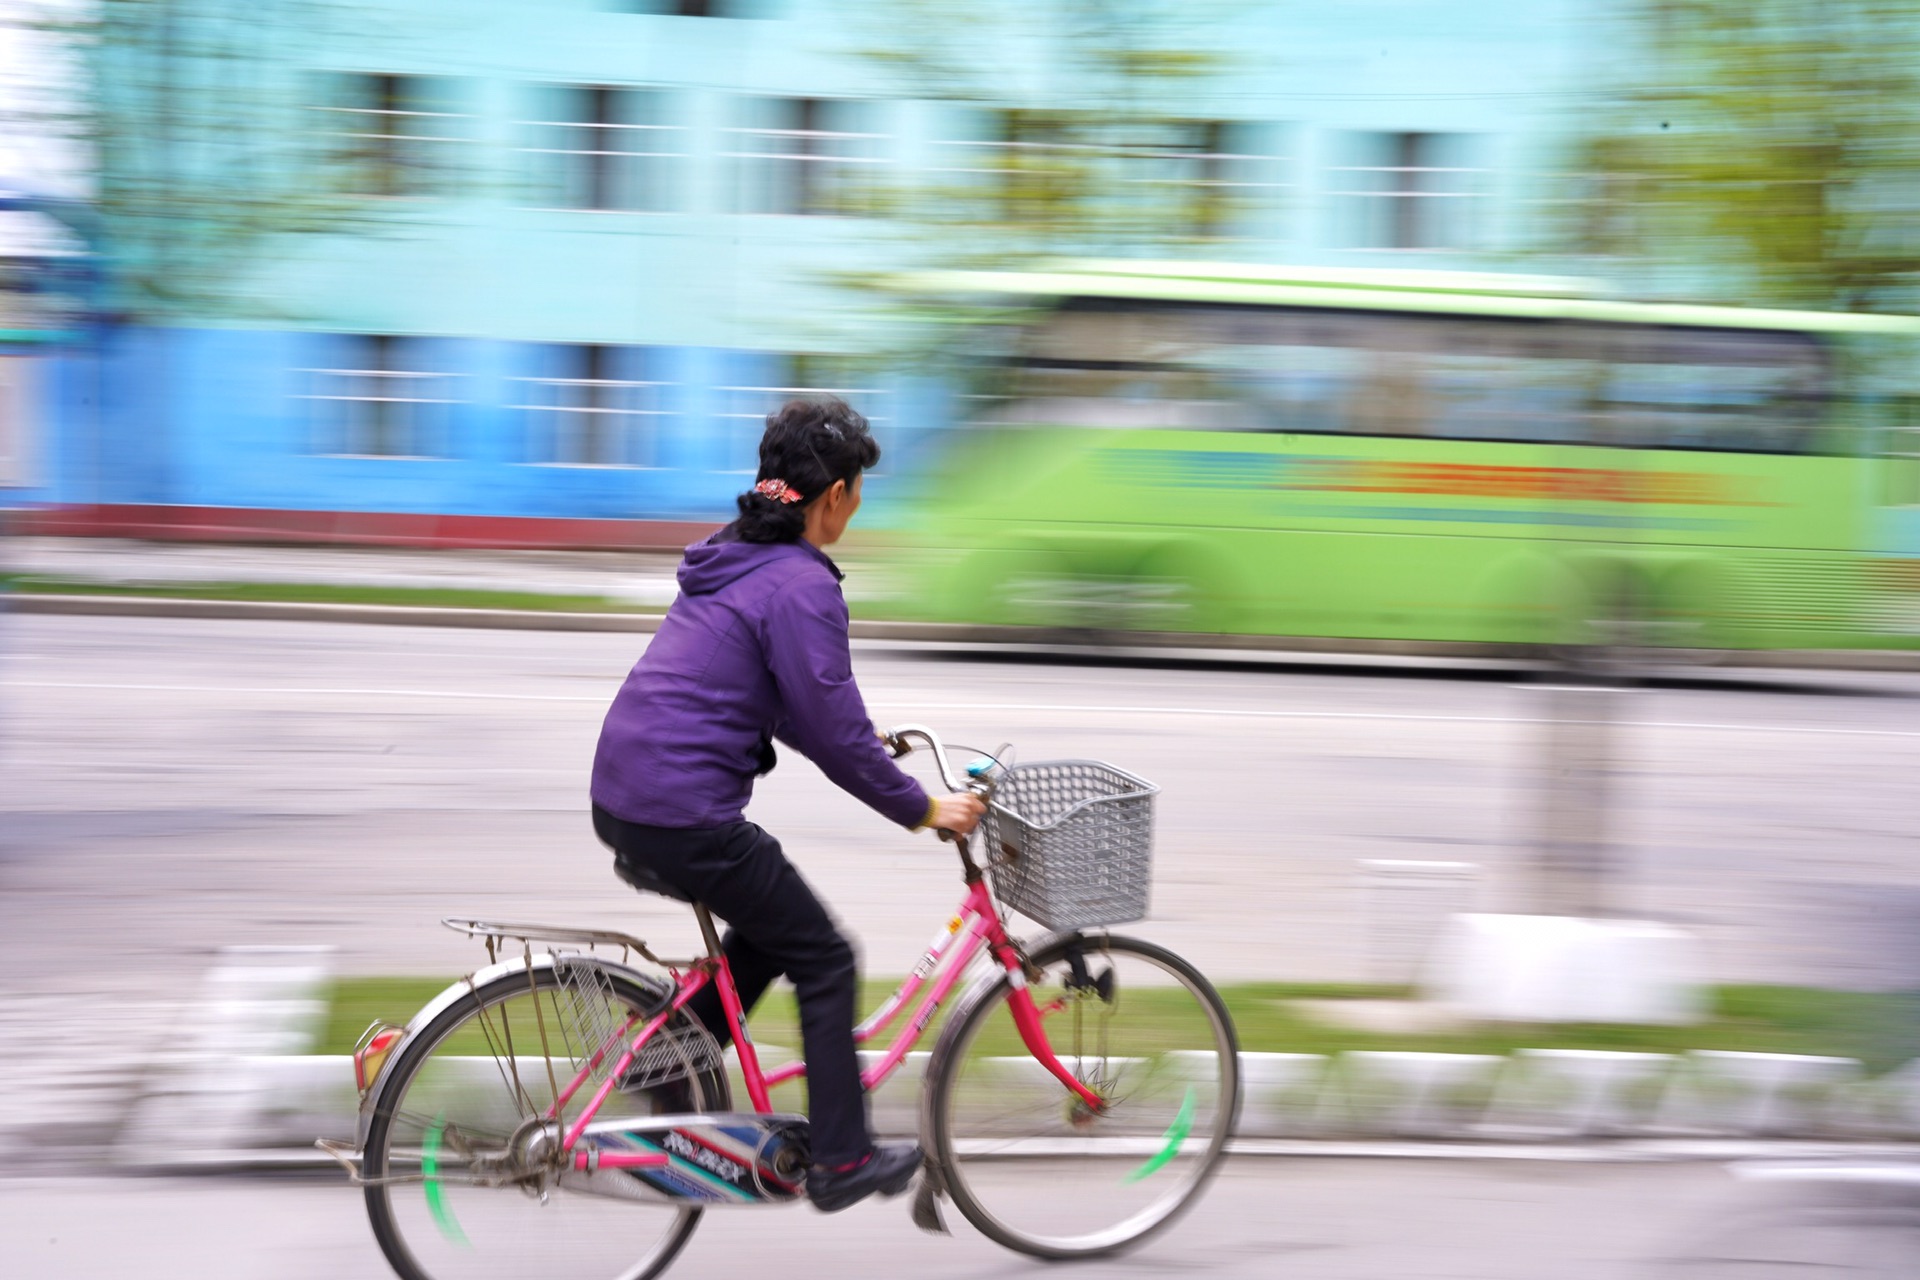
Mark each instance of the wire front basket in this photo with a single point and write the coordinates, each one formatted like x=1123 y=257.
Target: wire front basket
x=1070 y=842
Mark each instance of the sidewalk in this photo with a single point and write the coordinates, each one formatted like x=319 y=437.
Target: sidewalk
x=626 y=591
x=632 y=578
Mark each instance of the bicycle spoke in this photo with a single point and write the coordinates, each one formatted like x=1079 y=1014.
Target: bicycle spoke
x=1029 y=1162
x=469 y=1180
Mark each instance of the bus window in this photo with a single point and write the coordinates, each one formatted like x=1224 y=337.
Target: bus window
x=1712 y=390
x=1900 y=446
x=1505 y=398
x=1288 y=388
x=1138 y=396
x=1295 y=370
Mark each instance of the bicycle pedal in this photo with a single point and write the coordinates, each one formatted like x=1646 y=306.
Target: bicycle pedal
x=926 y=1209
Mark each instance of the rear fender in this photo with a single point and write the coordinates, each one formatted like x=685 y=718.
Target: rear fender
x=464 y=989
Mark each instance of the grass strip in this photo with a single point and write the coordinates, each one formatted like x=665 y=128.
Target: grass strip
x=1881 y=1030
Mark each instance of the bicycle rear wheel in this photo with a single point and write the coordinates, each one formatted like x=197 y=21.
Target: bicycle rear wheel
x=1033 y=1167
x=460 y=1187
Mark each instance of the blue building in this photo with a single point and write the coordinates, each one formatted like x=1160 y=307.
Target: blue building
x=515 y=273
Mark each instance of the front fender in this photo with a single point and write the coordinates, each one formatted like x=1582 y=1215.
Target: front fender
x=980 y=990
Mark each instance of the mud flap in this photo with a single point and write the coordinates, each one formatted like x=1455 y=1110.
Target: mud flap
x=926 y=1202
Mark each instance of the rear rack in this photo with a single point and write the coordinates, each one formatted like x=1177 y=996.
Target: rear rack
x=496 y=932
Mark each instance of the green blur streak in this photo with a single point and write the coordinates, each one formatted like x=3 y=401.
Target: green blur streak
x=436 y=1199
x=1176 y=1134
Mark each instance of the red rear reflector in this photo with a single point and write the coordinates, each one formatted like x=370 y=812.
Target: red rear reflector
x=368 y=1058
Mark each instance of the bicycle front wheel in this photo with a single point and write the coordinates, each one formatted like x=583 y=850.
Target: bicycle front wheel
x=1029 y=1163
x=462 y=1152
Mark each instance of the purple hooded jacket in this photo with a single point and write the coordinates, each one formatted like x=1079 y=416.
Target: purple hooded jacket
x=755 y=647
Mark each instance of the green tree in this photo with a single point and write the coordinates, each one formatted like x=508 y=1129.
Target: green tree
x=200 y=122
x=1767 y=151
x=1072 y=128
x=1090 y=129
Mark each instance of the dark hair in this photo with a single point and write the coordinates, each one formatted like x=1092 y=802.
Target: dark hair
x=809 y=443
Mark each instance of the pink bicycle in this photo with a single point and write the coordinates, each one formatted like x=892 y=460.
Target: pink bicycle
x=558 y=1112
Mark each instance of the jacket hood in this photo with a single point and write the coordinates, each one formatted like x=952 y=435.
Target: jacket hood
x=721 y=561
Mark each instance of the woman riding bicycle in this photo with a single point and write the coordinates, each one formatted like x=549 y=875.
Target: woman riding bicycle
x=755 y=648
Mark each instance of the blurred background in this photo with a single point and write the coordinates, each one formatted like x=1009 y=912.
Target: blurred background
x=1468 y=456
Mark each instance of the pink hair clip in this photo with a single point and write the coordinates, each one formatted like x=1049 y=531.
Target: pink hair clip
x=778 y=490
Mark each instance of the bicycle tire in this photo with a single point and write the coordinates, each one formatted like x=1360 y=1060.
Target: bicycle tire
x=955 y=1170
x=710 y=1091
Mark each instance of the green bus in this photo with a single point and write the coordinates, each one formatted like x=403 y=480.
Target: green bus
x=1427 y=458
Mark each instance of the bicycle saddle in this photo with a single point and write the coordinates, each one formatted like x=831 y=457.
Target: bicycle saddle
x=646 y=882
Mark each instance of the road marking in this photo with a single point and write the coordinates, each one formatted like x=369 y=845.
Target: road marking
x=1384 y=715
x=1070 y=708
x=301 y=691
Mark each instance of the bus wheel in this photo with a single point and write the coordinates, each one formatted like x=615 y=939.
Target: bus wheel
x=1178 y=588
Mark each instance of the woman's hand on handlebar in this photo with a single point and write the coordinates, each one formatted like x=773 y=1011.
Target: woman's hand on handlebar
x=958 y=812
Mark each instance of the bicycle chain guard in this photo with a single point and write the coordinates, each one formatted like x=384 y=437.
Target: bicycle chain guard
x=713 y=1159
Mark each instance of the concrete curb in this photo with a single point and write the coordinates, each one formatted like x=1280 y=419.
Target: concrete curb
x=1145 y=643
x=247 y=1110
x=247 y=1092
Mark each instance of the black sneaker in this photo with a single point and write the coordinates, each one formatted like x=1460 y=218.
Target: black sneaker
x=887 y=1170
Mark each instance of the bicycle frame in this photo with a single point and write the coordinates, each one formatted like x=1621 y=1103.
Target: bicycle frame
x=976 y=927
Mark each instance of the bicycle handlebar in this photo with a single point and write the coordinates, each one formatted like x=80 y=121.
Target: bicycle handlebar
x=897 y=742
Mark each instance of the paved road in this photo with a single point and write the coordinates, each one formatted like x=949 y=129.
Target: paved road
x=1326 y=1219
x=168 y=787
x=177 y=785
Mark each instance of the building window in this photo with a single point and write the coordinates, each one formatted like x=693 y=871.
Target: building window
x=595 y=408
x=20 y=381
x=774 y=380
x=600 y=147
x=393 y=135
x=1153 y=179
x=1406 y=191
x=382 y=401
x=809 y=156
x=699 y=8
x=1210 y=175
x=1038 y=160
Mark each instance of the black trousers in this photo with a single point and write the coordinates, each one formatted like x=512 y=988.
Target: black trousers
x=776 y=927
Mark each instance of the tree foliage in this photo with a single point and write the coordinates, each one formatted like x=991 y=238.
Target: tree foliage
x=200 y=127
x=1765 y=150
x=1087 y=125
x=1073 y=128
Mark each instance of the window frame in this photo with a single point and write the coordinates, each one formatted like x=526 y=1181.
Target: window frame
x=644 y=404
x=1415 y=219
x=382 y=358
x=379 y=161
x=608 y=177
x=807 y=181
